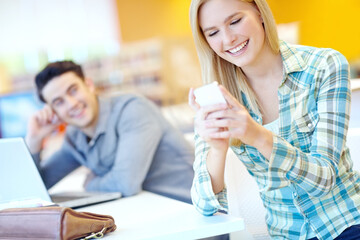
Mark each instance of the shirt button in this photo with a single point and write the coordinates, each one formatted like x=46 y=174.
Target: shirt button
x=295 y=195
x=309 y=124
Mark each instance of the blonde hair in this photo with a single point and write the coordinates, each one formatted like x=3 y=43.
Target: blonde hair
x=214 y=68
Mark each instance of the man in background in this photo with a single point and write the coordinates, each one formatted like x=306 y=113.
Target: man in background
x=124 y=140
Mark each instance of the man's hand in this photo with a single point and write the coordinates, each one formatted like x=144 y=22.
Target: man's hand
x=40 y=125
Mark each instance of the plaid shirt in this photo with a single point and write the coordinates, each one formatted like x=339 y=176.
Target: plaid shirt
x=308 y=182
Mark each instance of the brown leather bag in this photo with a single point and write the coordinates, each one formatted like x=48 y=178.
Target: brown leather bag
x=58 y=223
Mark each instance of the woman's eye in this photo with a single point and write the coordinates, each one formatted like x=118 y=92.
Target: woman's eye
x=235 y=21
x=213 y=33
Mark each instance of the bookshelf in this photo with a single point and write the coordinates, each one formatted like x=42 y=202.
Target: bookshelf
x=161 y=69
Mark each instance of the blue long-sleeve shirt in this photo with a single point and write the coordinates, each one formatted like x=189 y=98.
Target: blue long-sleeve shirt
x=133 y=148
x=308 y=182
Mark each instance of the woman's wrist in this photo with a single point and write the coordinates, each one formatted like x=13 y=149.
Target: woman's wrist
x=215 y=163
x=218 y=153
x=264 y=142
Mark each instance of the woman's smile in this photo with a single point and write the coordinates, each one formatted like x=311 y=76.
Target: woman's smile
x=238 y=49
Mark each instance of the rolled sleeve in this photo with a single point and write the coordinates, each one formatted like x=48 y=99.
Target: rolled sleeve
x=202 y=194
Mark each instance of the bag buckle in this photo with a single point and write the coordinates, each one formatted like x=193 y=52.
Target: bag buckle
x=95 y=235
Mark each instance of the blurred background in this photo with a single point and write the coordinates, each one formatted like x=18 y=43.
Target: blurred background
x=142 y=46
x=146 y=47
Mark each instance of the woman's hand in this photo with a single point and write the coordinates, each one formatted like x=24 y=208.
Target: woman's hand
x=215 y=161
x=236 y=122
x=206 y=132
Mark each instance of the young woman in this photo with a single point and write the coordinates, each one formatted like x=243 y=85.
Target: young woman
x=286 y=119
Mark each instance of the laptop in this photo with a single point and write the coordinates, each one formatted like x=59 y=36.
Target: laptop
x=21 y=184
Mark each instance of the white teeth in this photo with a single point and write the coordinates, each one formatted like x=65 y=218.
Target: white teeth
x=235 y=50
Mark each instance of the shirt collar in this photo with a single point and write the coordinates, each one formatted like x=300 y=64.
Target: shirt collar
x=104 y=112
x=292 y=62
x=80 y=137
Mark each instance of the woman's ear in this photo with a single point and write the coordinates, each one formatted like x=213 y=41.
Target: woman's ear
x=89 y=82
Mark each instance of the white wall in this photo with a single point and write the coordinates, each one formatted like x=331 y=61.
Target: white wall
x=353 y=141
x=55 y=26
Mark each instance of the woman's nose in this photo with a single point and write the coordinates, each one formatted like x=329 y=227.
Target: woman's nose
x=229 y=37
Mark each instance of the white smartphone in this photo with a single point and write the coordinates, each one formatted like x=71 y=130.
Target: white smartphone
x=209 y=94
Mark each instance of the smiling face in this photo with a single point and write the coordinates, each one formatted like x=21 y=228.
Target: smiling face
x=72 y=100
x=234 y=30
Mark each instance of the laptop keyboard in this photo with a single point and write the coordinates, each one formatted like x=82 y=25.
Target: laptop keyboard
x=58 y=199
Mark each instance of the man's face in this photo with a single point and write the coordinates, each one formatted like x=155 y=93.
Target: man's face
x=72 y=100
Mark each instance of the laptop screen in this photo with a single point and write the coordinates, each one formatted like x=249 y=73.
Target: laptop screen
x=19 y=177
x=21 y=184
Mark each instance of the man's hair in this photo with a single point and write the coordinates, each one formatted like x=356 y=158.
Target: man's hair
x=53 y=70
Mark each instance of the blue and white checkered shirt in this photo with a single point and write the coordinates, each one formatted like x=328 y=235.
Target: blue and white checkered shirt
x=308 y=182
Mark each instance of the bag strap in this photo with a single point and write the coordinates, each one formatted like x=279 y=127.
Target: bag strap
x=97 y=235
